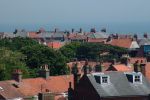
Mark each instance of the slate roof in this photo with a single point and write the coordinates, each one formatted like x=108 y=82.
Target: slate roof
x=120 y=86
x=144 y=41
x=98 y=35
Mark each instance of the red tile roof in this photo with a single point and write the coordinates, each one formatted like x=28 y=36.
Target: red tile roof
x=120 y=68
x=33 y=86
x=125 y=43
x=33 y=35
x=55 y=45
x=8 y=91
x=96 y=40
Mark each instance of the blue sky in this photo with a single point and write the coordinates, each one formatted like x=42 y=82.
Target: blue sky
x=71 y=13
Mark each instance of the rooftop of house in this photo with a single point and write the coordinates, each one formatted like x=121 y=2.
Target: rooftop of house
x=125 y=43
x=33 y=86
x=6 y=91
x=120 y=85
x=55 y=44
x=120 y=68
x=92 y=64
x=132 y=60
x=144 y=41
x=98 y=35
x=96 y=40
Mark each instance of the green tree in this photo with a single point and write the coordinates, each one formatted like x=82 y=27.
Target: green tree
x=9 y=61
x=17 y=43
x=39 y=55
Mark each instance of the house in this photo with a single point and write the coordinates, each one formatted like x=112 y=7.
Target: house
x=54 y=87
x=144 y=47
x=111 y=86
x=5 y=94
x=124 y=42
x=55 y=44
x=98 y=35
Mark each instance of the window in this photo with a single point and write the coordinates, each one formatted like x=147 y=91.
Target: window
x=137 y=78
x=101 y=78
x=104 y=79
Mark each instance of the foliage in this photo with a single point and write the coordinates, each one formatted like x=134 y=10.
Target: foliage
x=17 y=43
x=39 y=55
x=92 y=51
x=9 y=61
x=70 y=50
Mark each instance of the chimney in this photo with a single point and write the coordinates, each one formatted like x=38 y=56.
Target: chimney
x=136 y=66
x=17 y=75
x=44 y=71
x=93 y=30
x=56 y=30
x=103 y=30
x=142 y=68
x=114 y=62
x=70 y=92
x=125 y=60
x=80 y=31
x=76 y=75
x=117 y=36
x=72 y=30
x=145 y=35
x=135 y=37
x=98 y=68
x=86 y=68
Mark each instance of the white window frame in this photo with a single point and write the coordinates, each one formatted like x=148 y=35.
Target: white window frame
x=134 y=78
x=108 y=79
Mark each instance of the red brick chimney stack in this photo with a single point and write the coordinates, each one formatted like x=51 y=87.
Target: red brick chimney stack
x=17 y=75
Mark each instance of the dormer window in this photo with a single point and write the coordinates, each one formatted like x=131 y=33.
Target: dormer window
x=101 y=78
x=134 y=77
x=137 y=78
x=104 y=79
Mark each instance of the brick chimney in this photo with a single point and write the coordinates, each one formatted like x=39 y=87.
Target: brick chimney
x=93 y=30
x=44 y=71
x=142 y=68
x=70 y=92
x=113 y=61
x=125 y=60
x=72 y=30
x=86 y=68
x=98 y=67
x=80 y=30
x=136 y=66
x=135 y=37
x=17 y=75
x=145 y=35
x=76 y=75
